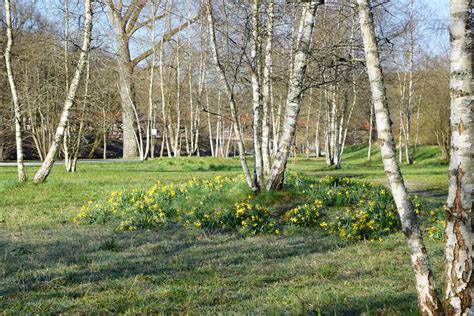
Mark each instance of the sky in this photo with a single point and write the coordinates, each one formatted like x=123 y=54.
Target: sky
x=437 y=17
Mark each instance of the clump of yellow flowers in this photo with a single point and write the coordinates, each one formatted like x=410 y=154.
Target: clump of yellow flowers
x=344 y=207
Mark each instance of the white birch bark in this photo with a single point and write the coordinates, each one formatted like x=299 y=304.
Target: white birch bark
x=209 y=124
x=308 y=116
x=371 y=128
x=266 y=87
x=66 y=138
x=458 y=263
x=295 y=90
x=14 y=93
x=256 y=96
x=151 y=107
x=48 y=163
x=428 y=301
x=177 y=134
x=409 y=108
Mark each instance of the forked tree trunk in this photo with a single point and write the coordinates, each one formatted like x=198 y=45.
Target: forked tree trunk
x=230 y=95
x=16 y=103
x=428 y=301
x=48 y=163
x=458 y=264
x=295 y=91
x=125 y=23
x=127 y=93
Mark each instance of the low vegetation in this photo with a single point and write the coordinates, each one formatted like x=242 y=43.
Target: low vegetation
x=351 y=209
x=50 y=264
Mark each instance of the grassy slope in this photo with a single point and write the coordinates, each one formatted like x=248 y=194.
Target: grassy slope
x=49 y=265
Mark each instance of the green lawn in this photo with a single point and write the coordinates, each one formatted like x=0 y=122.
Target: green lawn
x=49 y=265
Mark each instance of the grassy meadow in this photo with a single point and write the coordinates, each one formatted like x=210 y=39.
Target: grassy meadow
x=50 y=265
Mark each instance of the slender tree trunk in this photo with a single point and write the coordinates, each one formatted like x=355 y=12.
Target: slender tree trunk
x=295 y=91
x=371 y=128
x=409 y=109
x=256 y=97
x=66 y=138
x=458 y=264
x=16 y=103
x=425 y=288
x=209 y=125
x=402 y=91
x=230 y=95
x=48 y=163
x=77 y=145
x=150 y=87
x=277 y=127
x=218 y=148
x=308 y=116
x=177 y=134
x=266 y=87
x=316 y=136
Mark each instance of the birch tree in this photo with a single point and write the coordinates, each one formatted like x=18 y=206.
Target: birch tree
x=266 y=87
x=48 y=162
x=295 y=91
x=230 y=95
x=256 y=95
x=458 y=263
x=14 y=93
x=428 y=301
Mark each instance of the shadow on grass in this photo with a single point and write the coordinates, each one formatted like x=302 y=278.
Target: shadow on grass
x=138 y=253
x=59 y=270
x=398 y=304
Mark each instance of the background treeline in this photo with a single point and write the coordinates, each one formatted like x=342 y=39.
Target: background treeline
x=184 y=110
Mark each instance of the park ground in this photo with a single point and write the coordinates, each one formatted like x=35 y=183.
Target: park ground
x=50 y=265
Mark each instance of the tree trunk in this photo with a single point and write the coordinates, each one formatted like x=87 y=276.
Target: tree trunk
x=371 y=128
x=428 y=301
x=127 y=97
x=177 y=133
x=77 y=144
x=458 y=264
x=308 y=116
x=266 y=87
x=409 y=109
x=151 y=107
x=48 y=163
x=316 y=136
x=295 y=91
x=16 y=103
x=230 y=95
x=256 y=96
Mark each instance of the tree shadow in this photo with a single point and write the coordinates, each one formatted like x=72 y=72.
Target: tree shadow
x=71 y=263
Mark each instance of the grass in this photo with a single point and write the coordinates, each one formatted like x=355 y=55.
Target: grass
x=49 y=265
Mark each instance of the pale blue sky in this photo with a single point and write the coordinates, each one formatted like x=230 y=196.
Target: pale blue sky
x=437 y=17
